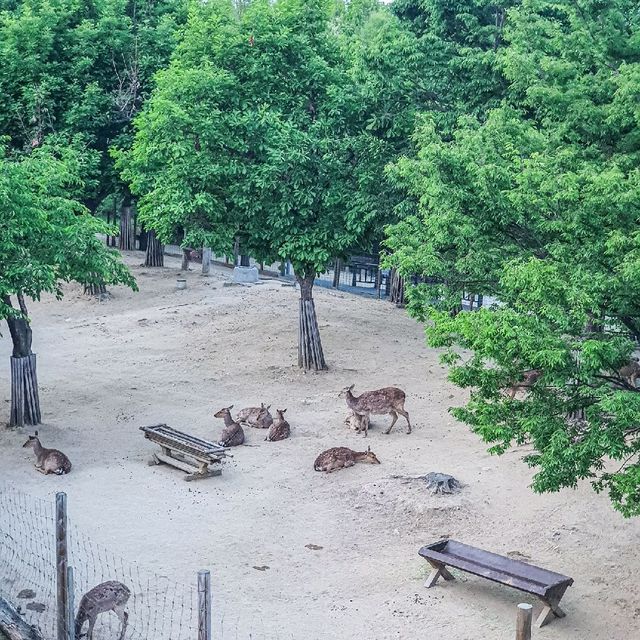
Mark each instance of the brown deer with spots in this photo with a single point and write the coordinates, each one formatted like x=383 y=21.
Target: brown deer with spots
x=341 y=458
x=48 y=460
x=258 y=417
x=387 y=401
x=105 y=597
x=232 y=434
x=280 y=429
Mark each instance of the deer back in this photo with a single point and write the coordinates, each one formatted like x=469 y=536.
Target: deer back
x=380 y=401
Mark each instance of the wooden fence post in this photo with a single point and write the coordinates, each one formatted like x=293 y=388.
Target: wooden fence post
x=204 y=605
x=523 y=622
x=71 y=635
x=61 y=565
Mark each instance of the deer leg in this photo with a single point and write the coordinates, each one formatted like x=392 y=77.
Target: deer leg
x=395 y=417
x=123 y=616
x=92 y=622
x=405 y=415
x=364 y=424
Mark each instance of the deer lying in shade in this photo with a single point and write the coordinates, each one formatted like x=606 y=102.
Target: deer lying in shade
x=387 y=401
x=48 y=460
x=105 y=597
x=341 y=458
x=232 y=434
x=529 y=378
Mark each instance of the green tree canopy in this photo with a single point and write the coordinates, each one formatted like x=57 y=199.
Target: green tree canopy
x=539 y=206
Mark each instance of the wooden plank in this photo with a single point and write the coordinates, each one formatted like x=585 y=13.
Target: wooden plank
x=13 y=626
x=185 y=465
x=163 y=431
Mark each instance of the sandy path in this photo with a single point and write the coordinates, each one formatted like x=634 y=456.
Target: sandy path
x=177 y=356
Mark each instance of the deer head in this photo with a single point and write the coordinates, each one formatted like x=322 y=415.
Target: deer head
x=31 y=441
x=346 y=391
x=223 y=412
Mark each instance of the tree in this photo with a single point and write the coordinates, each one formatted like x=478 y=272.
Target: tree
x=46 y=238
x=252 y=133
x=538 y=206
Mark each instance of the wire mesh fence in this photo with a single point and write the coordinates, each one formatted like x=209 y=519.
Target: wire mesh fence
x=113 y=598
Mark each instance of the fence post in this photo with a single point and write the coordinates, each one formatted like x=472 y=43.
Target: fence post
x=61 y=565
x=70 y=605
x=204 y=605
x=523 y=622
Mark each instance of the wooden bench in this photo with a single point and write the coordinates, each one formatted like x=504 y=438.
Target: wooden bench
x=185 y=452
x=546 y=585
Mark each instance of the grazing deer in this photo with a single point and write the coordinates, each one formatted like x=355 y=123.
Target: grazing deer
x=258 y=417
x=105 y=597
x=232 y=434
x=48 y=460
x=529 y=378
x=630 y=372
x=341 y=458
x=387 y=401
x=280 y=429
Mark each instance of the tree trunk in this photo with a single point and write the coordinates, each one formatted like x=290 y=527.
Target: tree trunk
x=206 y=261
x=155 y=251
x=245 y=261
x=337 y=268
x=185 y=260
x=127 y=237
x=143 y=241
x=310 y=354
x=25 y=402
x=397 y=288
x=95 y=289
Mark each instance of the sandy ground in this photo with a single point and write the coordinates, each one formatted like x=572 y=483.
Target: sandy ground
x=163 y=355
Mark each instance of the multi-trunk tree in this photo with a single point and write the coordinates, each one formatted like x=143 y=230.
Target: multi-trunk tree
x=253 y=132
x=46 y=238
x=538 y=205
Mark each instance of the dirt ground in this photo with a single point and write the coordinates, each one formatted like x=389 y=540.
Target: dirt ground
x=162 y=355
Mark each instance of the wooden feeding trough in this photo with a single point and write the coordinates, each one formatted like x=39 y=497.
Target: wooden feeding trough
x=185 y=452
x=546 y=585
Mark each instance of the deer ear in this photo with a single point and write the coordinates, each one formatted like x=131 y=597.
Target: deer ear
x=268 y=407
x=231 y=407
x=284 y=411
x=351 y=387
x=36 y=434
x=369 y=449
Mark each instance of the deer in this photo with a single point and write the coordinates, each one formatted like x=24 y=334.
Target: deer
x=356 y=422
x=232 y=434
x=341 y=458
x=258 y=417
x=529 y=378
x=108 y=596
x=280 y=429
x=387 y=401
x=48 y=460
x=630 y=372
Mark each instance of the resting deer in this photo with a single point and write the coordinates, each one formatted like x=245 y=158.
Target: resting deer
x=356 y=422
x=48 y=460
x=280 y=429
x=341 y=458
x=105 y=597
x=529 y=378
x=630 y=372
x=232 y=434
x=387 y=401
x=258 y=417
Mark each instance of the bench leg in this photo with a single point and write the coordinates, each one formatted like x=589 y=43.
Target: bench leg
x=439 y=570
x=551 y=608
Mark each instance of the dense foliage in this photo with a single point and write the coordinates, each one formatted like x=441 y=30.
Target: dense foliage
x=538 y=205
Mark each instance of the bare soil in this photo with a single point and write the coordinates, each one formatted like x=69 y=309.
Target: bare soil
x=341 y=549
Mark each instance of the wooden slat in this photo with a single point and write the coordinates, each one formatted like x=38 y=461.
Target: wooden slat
x=174 y=439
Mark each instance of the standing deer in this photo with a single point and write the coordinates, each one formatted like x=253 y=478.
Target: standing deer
x=630 y=372
x=387 y=401
x=280 y=429
x=105 y=597
x=258 y=417
x=529 y=378
x=48 y=460
x=341 y=458
x=232 y=434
